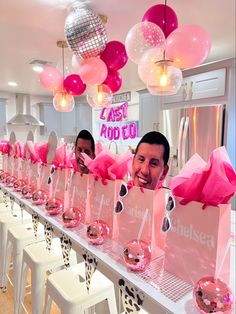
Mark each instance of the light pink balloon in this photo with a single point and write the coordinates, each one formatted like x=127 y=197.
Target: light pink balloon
x=147 y=62
x=93 y=71
x=188 y=46
x=51 y=79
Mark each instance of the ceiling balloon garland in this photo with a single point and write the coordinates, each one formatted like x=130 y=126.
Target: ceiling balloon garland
x=161 y=49
x=95 y=61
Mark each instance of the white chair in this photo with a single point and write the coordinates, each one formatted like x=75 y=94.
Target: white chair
x=39 y=260
x=18 y=238
x=7 y=219
x=67 y=288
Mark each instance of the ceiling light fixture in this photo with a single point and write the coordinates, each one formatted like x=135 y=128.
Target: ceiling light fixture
x=62 y=101
x=12 y=83
x=37 y=68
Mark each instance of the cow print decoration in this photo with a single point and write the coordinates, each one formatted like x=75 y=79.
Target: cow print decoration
x=12 y=203
x=48 y=233
x=90 y=267
x=66 y=248
x=51 y=174
x=35 y=221
x=5 y=200
x=131 y=297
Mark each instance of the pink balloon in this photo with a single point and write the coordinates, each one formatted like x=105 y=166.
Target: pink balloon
x=114 y=55
x=74 y=85
x=163 y=16
x=113 y=80
x=188 y=46
x=93 y=71
x=51 y=79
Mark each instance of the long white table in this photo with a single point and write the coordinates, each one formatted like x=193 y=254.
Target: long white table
x=162 y=292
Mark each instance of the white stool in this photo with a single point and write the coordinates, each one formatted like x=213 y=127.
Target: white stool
x=69 y=292
x=7 y=220
x=39 y=260
x=18 y=238
x=4 y=208
x=140 y=312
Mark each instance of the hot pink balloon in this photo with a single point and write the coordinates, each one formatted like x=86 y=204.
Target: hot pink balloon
x=113 y=80
x=93 y=71
x=114 y=55
x=188 y=46
x=52 y=79
x=163 y=16
x=74 y=85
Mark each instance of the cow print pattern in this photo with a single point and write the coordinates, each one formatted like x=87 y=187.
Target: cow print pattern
x=90 y=267
x=132 y=298
x=51 y=174
x=5 y=200
x=35 y=221
x=66 y=248
x=48 y=233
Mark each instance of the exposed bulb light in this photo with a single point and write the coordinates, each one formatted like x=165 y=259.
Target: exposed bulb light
x=12 y=83
x=165 y=79
x=37 y=68
x=63 y=102
x=99 y=96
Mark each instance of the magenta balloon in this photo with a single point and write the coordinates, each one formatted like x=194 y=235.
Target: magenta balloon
x=188 y=46
x=74 y=85
x=167 y=21
x=52 y=79
x=114 y=55
x=113 y=80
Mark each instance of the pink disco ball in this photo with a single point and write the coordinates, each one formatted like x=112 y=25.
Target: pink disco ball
x=3 y=176
x=71 y=217
x=39 y=197
x=137 y=255
x=10 y=181
x=27 y=191
x=213 y=296
x=54 y=206
x=97 y=232
x=18 y=185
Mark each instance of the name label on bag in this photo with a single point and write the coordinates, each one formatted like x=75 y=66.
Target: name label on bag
x=192 y=234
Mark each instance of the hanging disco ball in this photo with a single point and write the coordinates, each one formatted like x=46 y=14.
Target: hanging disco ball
x=85 y=34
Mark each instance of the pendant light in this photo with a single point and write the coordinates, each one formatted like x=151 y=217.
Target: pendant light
x=165 y=79
x=62 y=101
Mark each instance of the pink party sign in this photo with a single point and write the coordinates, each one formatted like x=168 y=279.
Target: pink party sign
x=197 y=240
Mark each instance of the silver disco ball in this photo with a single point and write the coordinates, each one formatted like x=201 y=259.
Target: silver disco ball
x=85 y=34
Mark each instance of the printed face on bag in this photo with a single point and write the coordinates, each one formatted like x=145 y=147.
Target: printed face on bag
x=83 y=146
x=148 y=166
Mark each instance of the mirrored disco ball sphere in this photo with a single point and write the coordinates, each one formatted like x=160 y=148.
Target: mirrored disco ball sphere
x=84 y=32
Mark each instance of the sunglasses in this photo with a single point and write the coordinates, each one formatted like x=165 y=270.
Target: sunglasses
x=170 y=205
x=122 y=193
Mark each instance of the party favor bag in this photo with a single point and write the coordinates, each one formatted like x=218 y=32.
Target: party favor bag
x=103 y=199
x=59 y=180
x=196 y=242
x=78 y=194
x=139 y=215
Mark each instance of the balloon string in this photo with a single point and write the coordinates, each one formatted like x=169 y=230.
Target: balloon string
x=164 y=53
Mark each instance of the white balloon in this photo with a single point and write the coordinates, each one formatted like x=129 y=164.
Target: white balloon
x=147 y=62
x=141 y=37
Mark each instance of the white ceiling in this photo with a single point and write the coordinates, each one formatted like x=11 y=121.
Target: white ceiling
x=29 y=30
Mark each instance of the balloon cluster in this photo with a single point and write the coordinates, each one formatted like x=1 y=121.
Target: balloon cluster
x=158 y=38
x=95 y=61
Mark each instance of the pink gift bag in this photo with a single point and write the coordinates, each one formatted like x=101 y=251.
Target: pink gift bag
x=103 y=199
x=44 y=183
x=139 y=215
x=78 y=194
x=34 y=174
x=196 y=242
x=59 y=180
